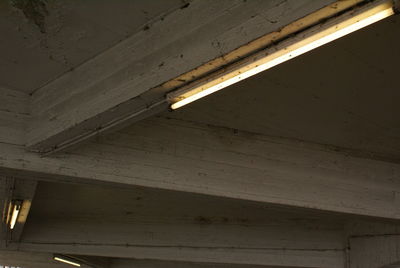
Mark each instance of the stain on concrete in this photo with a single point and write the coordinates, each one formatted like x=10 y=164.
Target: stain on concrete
x=186 y=5
x=34 y=10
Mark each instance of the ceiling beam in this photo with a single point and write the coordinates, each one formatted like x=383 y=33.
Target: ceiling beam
x=23 y=259
x=141 y=223
x=14 y=115
x=373 y=244
x=375 y=251
x=128 y=263
x=129 y=81
x=45 y=260
x=271 y=257
x=273 y=238
x=182 y=156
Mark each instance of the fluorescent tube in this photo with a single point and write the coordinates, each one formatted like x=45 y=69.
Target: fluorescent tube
x=67 y=261
x=301 y=43
x=15 y=212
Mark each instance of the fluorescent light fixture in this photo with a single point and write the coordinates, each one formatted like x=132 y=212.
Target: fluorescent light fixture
x=66 y=260
x=16 y=209
x=290 y=48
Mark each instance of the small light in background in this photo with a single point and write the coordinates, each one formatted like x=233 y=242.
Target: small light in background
x=13 y=213
x=67 y=260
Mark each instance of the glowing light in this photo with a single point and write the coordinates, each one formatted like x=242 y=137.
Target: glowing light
x=289 y=49
x=67 y=261
x=15 y=214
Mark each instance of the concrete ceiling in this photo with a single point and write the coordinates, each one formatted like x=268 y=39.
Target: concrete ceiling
x=45 y=39
x=344 y=94
x=123 y=263
x=55 y=202
x=136 y=216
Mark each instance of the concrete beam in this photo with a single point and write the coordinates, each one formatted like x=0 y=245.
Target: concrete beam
x=45 y=260
x=128 y=263
x=129 y=81
x=393 y=265
x=374 y=245
x=330 y=258
x=34 y=260
x=27 y=259
x=149 y=224
x=380 y=251
x=14 y=115
x=181 y=156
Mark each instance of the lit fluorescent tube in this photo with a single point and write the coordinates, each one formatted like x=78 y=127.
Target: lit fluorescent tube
x=16 y=208
x=288 y=49
x=66 y=260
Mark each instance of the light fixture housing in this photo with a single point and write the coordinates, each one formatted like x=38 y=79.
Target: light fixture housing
x=13 y=213
x=289 y=48
x=67 y=260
